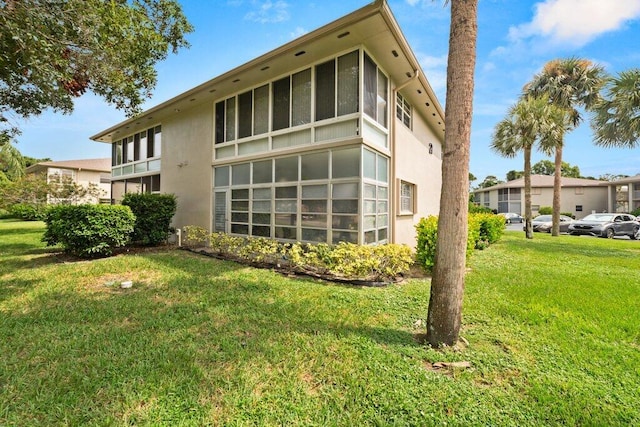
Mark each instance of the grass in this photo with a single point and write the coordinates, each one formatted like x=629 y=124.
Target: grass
x=552 y=325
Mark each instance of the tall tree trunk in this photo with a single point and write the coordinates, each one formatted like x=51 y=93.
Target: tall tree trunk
x=557 y=182
x=527 y=193
x=447 y=285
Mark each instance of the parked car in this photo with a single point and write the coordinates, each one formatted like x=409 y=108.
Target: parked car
x=511 y=218
x=606 y=225
x=544 y=223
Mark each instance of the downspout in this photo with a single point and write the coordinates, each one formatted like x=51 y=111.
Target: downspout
x=393 y=184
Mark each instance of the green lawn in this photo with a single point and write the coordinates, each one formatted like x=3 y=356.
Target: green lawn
x=553 y=326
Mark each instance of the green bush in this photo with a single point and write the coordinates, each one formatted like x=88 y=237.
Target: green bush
x=636 y=212
x=483 y=229
x=427 y=234
x=349 y=261
x=153 y=214
x=491 y=228
x=475 y=208
x=569 y=214
x=28 y=211
x=545 y=210
x=88 y=230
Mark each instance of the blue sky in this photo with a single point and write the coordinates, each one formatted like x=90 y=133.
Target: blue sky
x=515 y=39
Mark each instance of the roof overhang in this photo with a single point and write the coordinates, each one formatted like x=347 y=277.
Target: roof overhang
x=373 y=26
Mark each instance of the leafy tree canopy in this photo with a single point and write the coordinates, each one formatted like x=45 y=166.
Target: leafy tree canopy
x=513 y=174
x=490 y=181
x=54 y=51
x=547 y=167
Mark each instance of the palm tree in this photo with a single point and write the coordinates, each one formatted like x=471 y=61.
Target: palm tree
x=447 y=284
x=529 y=121
x=616 y=122
x=569 y=84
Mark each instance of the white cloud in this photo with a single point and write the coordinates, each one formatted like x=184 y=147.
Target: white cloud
x=435 y=69
x=269 y=12
x=576 y=22
x=299 y=31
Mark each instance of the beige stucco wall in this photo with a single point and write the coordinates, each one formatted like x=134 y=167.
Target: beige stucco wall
x=414 y=164
x=187 y=144
x=92 y=177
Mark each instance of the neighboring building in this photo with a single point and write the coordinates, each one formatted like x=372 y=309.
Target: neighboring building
x=83 y=172
x=624 y=194
x=335 y=136
x=578 y=196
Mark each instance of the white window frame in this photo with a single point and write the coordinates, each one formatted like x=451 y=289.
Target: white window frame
x=406 y=198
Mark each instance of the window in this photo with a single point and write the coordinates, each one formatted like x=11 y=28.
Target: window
x=347 y=79
x=375 y=91
x=403 y=110
x=128 y=149
x=281 y=104
x=225 y=120
x=407 y=198
x=578 y=208
x=325 y=90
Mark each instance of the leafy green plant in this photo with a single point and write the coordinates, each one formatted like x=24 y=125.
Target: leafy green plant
x=545 y=210
x=194 y=235
x=29 y=211
x=153 y=214
x=483 y=230
x=569 y=214
x=635 y=212
x=88 y=230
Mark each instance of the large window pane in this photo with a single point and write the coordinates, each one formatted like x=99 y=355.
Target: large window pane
x=230 y=126
x=382 y=169
x=281 y=91
x=287 y=169
x=344 y=236
x=348 y=83
x=245 y=101
x=301 y=102
x=382 y=99
x=142 y=154
x=262 y=172
x=314 y=220
x=261 y=110
x=370 y=86
x=369 y=164
x=221 y=176
x=220 y=122
x=345 y=222
x=311 y=235
x=315 y=166
x=325 y=90
x=240 y=174
x=157 y=141
x=346 y=163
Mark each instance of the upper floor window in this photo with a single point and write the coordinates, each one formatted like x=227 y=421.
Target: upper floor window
x=403 y=110
x=375 y=91
x=337 y=83
x=140 y=146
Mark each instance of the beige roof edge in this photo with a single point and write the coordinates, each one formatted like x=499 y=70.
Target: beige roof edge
x=408 y=52
x=378 y=6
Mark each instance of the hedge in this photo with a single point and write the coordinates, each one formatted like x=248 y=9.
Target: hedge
x=88 y=231
x=153 y=214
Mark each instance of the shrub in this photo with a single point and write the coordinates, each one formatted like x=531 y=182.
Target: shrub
x=635 y=212
x=474 y=208
x=153 y=214
x=194 y=236
x=569 y=214
x=89 y=230
x=483 y=229
x=345 y=260
x=28 y=211
x=491 y=228
x=545 y=210
x=427 y=234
